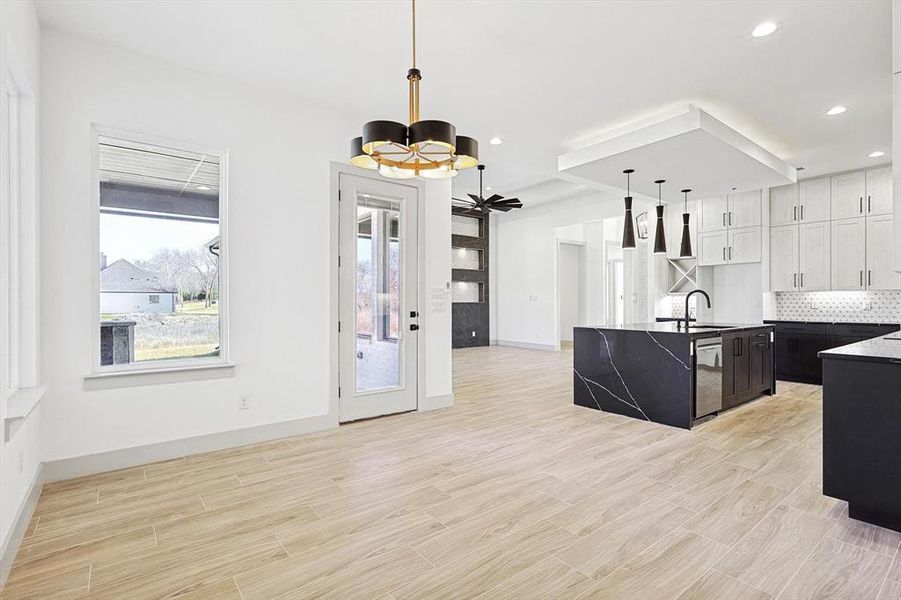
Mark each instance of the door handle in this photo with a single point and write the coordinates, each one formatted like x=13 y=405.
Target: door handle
x=802 y=279
x=861 y=205
x=861 y=278
x=730 y=218
x=724 y=254
x=730 y=252
x=794 y=213
x=802 y=212
x=724 y=219
x=414 y=327
x=414 y=314
x=869 y=278
x=869 y=204
x=795 y=280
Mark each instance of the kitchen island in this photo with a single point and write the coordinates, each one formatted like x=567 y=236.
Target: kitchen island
x=667 y=374
x=861 y=425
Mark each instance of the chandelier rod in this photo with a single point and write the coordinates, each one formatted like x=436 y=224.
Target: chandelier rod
x=414 y=34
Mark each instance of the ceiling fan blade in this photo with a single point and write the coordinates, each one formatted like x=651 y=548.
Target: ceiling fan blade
x=494 y=198
x=463 y=201
x=508 y=201
x=475 y=198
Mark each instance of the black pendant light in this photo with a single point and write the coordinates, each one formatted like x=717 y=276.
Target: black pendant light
x=685 y=249
x=629 y=226
x=660 y=235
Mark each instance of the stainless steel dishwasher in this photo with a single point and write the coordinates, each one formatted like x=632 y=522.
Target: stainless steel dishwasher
x=708 y=376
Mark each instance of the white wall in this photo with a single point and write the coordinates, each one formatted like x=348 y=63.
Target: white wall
x=130 y=302
x=526 y=264
x=20 y=443
x=280 y=265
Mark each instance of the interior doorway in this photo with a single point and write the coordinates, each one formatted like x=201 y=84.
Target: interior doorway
x=377 y=296
x=616 y=291
x=571 y=289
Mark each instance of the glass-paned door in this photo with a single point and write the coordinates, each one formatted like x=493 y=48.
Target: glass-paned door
x=377 y=296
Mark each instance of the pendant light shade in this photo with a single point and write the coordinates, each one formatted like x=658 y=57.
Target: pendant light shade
x=685 y=248
x=629 y=225
x=660 y=235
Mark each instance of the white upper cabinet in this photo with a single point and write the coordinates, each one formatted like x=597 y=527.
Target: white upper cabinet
x=880 y=270
x=879 y=192
x=813 y=257
x=784 y=258
x=712 y=248
x=814 y=200
x=744 y=245
x=849 y=261
x=744 y=209
x=784 y=205
x=714 y=212
x=849 y=195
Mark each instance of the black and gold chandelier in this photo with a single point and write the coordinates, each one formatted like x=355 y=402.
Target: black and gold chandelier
x=430 y=149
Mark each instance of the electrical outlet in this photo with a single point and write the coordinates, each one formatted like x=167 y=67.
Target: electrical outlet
x=21 y=461
x=243 y=403
x=473 y=334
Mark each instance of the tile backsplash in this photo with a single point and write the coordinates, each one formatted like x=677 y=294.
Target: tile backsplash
x=842 y=307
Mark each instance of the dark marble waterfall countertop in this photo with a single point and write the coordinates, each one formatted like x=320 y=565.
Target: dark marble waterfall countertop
x=695 y=331
x=821 y=322
x=885 y=348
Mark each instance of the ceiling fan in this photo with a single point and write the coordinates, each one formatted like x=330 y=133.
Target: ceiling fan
x=485 y=205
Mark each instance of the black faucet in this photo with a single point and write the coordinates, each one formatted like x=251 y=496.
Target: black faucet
x=689 y=295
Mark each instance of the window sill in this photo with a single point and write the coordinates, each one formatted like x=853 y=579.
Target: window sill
x=158 y=375
x=23 y=401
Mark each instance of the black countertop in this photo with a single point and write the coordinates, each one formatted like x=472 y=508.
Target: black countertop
x=885 y=348
x=696 y=331
x=768 y=321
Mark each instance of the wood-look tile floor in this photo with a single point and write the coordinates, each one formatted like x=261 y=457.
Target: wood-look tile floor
x=513 y=493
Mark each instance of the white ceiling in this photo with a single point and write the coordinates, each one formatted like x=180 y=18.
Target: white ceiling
x=548 y=77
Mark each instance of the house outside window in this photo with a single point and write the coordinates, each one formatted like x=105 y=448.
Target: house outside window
x=161 y=261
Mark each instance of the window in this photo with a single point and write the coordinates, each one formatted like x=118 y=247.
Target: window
x=161 y=262
x=378 y=269
x=9 y=234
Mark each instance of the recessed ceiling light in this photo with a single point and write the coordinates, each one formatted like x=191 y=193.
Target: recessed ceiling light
x=876 y=154
x=203 y=187
x=765 y=28
x=836 y=110
x=488 y=188
x=495 y=141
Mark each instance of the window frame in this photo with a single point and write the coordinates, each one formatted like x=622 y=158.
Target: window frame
x=165 y=365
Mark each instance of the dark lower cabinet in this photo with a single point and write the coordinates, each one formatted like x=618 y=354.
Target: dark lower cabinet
x=797 y=345
x=747 y=366
x=861 y=441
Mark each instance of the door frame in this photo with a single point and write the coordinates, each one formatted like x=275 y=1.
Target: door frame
x=583 y=282
x=336 y=170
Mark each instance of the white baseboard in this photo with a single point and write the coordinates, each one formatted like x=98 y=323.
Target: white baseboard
x=10 y=546
x=67 y=468
x=527 y=345
x=436 y=402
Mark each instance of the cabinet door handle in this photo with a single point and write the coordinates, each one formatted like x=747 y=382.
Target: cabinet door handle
x=802 y=212
x=869 y=278
x=869 y=204
x=730 y=252
x=795 y=280
x=724 y=254
x=794 y=213
x=861 y=205
x=724 y=219
x=802 y=279
x=861 y=278
x=730 y=218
